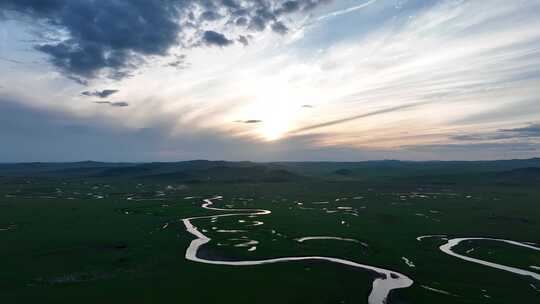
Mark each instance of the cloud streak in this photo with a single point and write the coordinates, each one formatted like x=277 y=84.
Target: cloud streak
x=113 y=103
x=250 y=121
x=355 y=117
x=346 y=11
x=529 y=132
x=101 y=94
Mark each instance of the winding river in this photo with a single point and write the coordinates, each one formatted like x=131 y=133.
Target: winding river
x=451 y=243
x=311 y=238
x=385 y=282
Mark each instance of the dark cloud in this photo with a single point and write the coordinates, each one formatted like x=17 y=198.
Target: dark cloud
x=103 y=34
x=478 y=147
x=85 y=59
x=179 y=62
x=243 y=40
x=113 y=103
x=307 y=106
x=466 y=137
x=530 y=131
x=260 y=20
x=290 y=6
x=210 y=16
x=250 y=121
x=242 y=21
x=101 y=94
x=231 y=4
x=111 y=38
x=308 y=5
x=78 y=80
x=279 y=28
x=212 y=38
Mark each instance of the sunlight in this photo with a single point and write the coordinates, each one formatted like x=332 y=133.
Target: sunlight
x=274 y=129
x=277 y=105
x=276 y=119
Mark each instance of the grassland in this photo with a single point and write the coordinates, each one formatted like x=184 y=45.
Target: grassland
x=93 y=232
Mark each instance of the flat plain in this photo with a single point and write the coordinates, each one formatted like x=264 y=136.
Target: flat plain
x=96 y=232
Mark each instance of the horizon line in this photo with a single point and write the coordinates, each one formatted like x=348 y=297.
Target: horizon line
x=268 y=162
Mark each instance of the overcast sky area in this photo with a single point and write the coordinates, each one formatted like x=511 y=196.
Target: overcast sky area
x=268 y=80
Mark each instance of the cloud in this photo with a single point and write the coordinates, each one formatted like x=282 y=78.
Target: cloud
x=38 y=134
x=179 y=62
x=210 y=16
x=279 y=28
x=101 y=94
x=243 y=40
x=87 y=39
x=212 y=38
x=113 y=103
x=250 y=121
x=347 y=10
x=473 y=67
x=511 y=136
x=356 y=117
x=102 y=34
x=34 y=134
x=532 y=130
x=78 y=80
x=469 y=151
x=290 y=6
x=86 y=59
x=10 y=60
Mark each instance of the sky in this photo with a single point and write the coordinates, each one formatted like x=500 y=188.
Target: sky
x=269 y=80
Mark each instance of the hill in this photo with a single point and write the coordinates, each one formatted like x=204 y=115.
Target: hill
x=198 y=171
x=529 y=175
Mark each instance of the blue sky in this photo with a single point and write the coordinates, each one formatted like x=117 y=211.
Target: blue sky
x=263 y=80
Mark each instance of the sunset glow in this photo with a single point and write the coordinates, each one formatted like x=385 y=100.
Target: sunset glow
x=378 y=79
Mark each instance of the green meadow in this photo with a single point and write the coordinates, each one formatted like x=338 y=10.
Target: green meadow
x=94 y=232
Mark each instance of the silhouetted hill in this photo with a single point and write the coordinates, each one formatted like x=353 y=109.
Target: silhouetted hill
x=124 y=171
x=230 y=173
x=40 y=169
x=344 y=172
x=505 y=171
x=520 y=176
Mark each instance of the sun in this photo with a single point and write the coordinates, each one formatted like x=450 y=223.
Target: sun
x=273 y=129
x=275 y=119
x=275 y=102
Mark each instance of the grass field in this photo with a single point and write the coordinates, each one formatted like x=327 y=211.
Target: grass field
x=118 y=237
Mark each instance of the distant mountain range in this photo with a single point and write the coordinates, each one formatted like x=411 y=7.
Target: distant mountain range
x=504 y=171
